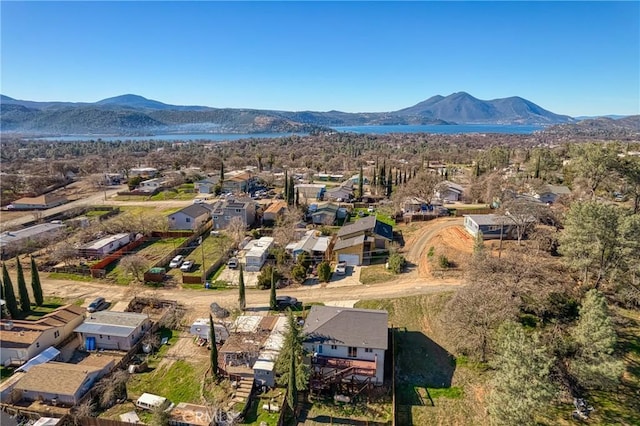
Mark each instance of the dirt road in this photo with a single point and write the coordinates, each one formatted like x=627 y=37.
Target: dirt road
x=407 y=284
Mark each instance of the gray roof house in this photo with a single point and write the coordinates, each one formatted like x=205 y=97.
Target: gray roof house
x=357 y=242
x=190 y=218
x=113 y=330
x=12 y=242
x=550 y=193
x=346 y=343
x=224 y=211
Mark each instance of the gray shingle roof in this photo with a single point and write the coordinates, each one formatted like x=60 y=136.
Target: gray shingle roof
x=363 y=328
x=364 y=224
x=194 y=210
x=349 y=242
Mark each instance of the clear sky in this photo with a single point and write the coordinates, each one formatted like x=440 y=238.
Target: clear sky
x=575 y=58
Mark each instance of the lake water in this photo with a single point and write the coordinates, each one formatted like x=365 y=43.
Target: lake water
x=443 y=129
x=378 y=130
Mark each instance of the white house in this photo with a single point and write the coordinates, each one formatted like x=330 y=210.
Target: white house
x=257 y=252
x=346 y=343
x=22 y=340
x=449 y=192
x=312 y=243
x=143 y=172
x=14 y=241
x=190 y=218
x=151 y=185
x=113 y=330
x=102 y=247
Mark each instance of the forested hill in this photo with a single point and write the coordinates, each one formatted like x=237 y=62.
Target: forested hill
x=626 y=128
x=134 y=114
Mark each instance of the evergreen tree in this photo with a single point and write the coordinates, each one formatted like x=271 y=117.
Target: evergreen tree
x=36 y=287
x=324 y=272
x=595 y=365
x=221 y=173
x=478 y=244
x=25 y=303
x=537 y=172
x=361 y=183
x=241 y=291
x=389 y=184
x=521 y=384
x=9 y=294
x=297 y=203
x=292 y=348
x=291 y=194
x=272 y=296
x=214 y=349
x=285 y=191
x=292 y=391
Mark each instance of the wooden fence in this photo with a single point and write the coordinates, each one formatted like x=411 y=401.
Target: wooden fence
x=98 y=269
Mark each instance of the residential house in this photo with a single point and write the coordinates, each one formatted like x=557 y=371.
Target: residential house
x=113 y=330
x=346 y=344
x=12 y=242
x=449 y=192
x=329 y=177
x=151 y=185
x=143 y=172
x=62 y=383
x=355 y=179
x=42 y=202
x=357 y=242
x=242 y=348
x=100 y=248
x=238 y=181
x=206 y=186
x=111 y=179
x=23 y=340
x=326 y=214
x=310 y=191
x=225 y=210
x=190 y=218
x=549 y=194
x=312 y=243
x=275 y=211
x=340 y=193
x=264 y=368
x=492 y=226
x=256 y=253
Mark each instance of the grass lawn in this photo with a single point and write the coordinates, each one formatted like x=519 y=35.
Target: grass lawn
x=382 y=217
x=70 y=277
x=179 y=381
x=375 y=274
x=212 y=249
x=96 y=213
x=432 y=386
x=256 y=415
x=182 y=192
x=326 y=411
x=5 y=372
x=152 y=251
x=49 y=305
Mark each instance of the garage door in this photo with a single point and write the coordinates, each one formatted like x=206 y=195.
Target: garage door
x=351 y=259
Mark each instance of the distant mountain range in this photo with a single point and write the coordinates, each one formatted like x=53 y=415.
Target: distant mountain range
x=133 y=114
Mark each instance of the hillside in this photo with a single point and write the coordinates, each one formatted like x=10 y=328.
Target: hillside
x=134 y=114
x=598 y=128
x=461 y=107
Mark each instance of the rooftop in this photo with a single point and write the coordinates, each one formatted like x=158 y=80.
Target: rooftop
x=23 y=333
x=363 y=328
x=193 y=210
x=30 y=232
x=55 y=378
x=98 y=244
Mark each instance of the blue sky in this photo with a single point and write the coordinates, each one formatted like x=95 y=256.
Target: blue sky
x=575 y=58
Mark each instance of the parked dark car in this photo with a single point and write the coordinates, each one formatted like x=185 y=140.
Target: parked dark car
x=97 y=305
x=284 y=302
x=218 y=311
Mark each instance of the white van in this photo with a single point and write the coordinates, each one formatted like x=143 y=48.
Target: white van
x=149 y=401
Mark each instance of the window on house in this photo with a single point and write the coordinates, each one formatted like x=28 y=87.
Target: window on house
x=353 y=352
x=215 y=217
x=56 y=334
x=188 y=220
x=37 y=344
x=368 y=350
x=238 y=210
x=334 y=347
x=101 y=336
x=108 y=337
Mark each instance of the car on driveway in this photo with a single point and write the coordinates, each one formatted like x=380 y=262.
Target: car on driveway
x=97 y=305
x=232 y=263
x=187 y=266
x=284 y=302
x=341 y=269
x=176 y=261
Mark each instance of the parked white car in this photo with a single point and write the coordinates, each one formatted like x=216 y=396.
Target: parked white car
x=176 y=261
x=341 y=269
x=187 y=266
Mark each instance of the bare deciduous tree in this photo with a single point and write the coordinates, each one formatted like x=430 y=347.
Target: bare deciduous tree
x=135 y=265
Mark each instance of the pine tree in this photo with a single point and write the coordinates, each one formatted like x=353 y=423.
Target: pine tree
x=389 y=184
x=595 y=365
x=36 y=287
x=272 y=296
x=9 y=294
x=292 y=391
x=285 y=191
x=521 y=384
x=241 y=291
x=221 y=173
x=25 y=303
x=290 y=358
x=214 y=349
x=361 y=183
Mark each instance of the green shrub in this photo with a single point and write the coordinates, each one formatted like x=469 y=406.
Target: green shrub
x=324 y=272
x=299 y=273
x=396 y=263
x=444 y=262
